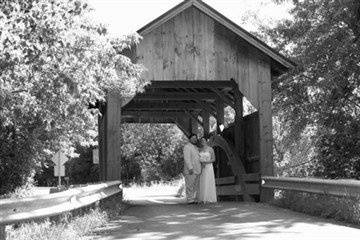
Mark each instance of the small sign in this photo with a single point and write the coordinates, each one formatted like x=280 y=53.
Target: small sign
x=59 y=158
x=95 y=154
x=59 y=170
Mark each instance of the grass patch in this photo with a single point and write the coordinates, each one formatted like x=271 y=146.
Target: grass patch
x=76 y=225
x=65 y=229
x=345 y=209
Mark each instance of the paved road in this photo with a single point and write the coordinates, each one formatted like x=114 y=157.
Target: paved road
x=167 y=217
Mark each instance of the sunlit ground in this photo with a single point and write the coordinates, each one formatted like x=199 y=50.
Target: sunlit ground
x=161 y=193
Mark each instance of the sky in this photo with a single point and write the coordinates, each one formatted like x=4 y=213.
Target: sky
x=127 y=16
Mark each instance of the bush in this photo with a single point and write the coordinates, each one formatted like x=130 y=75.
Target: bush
x=345 y=209
x=82 y=170
x=16 y=160
x=23 y=191
x=130 y=171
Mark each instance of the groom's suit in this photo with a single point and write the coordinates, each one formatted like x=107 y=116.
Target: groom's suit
x=191 y=162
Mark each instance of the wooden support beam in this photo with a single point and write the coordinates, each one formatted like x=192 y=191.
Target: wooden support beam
x=181 y=127
x=219 y=115
x=239 y=133
x=206 y=123
x=223 y=97
x=265 y=121
x=154 y=114
x=194 y=117
x=161 y=96
x=184 y=125
x=207 y=107
x=113 y=136
x=190 y=84
x=162 y=106
x=102 y=145
x=194 y=126
x=148 y=120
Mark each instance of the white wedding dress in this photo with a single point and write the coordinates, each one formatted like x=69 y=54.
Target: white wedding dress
x=207 y=191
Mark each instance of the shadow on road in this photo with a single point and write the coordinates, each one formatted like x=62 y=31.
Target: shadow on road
x=167 y=217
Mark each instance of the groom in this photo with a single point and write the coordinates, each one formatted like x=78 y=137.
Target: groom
x=192 y=169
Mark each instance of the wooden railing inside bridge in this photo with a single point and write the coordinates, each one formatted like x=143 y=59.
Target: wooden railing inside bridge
x=32 y=208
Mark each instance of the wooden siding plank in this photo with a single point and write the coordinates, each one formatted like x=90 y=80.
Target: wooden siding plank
x=168 y=61
x=200 y=36
x=225 y=180
x=252 y=92
x=144 y=52
x=231 y=190
x=250 y=177
x=210 y=56
x=157 y=62
x=184 y=45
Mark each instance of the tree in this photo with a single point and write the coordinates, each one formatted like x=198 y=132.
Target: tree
x=323 y=92
x=54 y=64
x=155 y=148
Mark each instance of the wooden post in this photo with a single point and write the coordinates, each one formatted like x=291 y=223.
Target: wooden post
x=194 y=126
x=102 y=145
x=239 y=136
x=2 y=232
x=113 y=137
x=219 y=115
x=265 y=121
x=183 y=124
x=206 y=123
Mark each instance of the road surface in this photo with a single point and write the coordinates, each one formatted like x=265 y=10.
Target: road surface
x=167 y=217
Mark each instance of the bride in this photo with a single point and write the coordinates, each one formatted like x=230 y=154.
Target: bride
x=207 y=191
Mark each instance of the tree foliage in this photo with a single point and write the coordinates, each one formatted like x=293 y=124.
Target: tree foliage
x=154 y=149
x=323 y=92
x=54 y=63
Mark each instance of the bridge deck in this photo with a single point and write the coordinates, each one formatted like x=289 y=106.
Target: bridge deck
x=167 y=217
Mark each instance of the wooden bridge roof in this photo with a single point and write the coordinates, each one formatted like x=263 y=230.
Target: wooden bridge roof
x=280 y=63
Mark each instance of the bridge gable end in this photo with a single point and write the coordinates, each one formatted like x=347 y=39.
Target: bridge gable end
x=194 y=46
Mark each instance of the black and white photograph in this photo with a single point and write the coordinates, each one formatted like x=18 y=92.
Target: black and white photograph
x=179 y=119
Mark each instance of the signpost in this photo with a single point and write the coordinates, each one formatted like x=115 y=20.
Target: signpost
x=95 y=154
x=59 y=169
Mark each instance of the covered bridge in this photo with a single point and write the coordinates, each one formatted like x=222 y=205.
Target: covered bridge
x=199 y=62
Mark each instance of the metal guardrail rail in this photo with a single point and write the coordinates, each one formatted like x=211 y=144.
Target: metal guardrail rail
x=339 y=188
x=31 y=208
